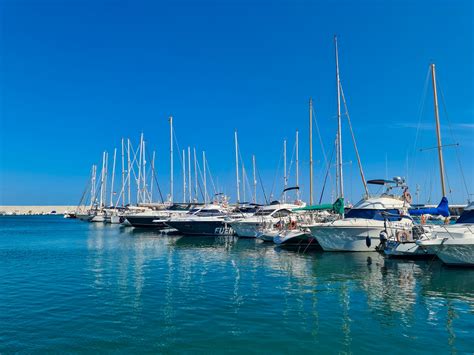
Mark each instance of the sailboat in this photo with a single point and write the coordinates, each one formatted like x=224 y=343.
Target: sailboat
x=407 y=247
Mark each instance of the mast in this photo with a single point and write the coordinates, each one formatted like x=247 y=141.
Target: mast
x=254 y=180
x=139 y=168
x=113 y=178
x=122 y=191
x=339 y=128
x=190 y=192
x=438 y=130
x=285 y=178
x=204 y=179
x=128 y=172
x=102 y=181
x=237 y=165
x=93 y=180
x=196 y=196
x=244 y=178
x=297 y=168
x=184 y=177
x=106 y=177
x=152 y=176
x=310 y=151
x=144 y=188
x=171 y=158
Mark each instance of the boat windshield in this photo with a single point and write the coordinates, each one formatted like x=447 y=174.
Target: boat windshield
x=466 y=217
x=193 y=210
x=178 y=208
x=373 y=214
x=210 y=212
x=264 y=212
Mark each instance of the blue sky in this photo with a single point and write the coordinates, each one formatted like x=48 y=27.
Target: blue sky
x=77 y=76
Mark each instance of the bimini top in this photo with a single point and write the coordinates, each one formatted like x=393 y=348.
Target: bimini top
x=382 y=202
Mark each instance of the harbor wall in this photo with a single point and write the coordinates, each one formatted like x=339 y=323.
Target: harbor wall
x=35 y=210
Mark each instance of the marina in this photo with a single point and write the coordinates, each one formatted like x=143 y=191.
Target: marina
x=289 y=177
x=86 y=287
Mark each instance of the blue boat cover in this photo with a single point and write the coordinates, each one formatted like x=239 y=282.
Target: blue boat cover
x=441 y=210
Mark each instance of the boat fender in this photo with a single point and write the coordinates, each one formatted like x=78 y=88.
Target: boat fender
x=368 y=242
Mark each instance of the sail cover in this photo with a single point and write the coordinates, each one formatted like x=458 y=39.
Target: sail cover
x=337 y=207
x=441 y=210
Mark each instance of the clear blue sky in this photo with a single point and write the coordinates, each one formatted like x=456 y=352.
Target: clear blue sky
x=76 y=76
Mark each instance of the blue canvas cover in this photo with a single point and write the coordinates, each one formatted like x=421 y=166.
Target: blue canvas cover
x=441 y=210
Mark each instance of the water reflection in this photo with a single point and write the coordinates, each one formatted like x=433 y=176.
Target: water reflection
x=318 y=292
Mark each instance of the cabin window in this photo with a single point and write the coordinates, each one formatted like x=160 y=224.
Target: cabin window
x=394 y=214
x=281 y=213
x=264 y=212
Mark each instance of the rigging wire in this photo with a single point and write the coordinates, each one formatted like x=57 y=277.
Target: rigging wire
x=458 y=158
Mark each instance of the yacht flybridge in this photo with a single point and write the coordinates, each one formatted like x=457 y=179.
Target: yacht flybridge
x=360 y=229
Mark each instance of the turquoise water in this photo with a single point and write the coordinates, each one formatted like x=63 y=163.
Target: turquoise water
x=67 y=285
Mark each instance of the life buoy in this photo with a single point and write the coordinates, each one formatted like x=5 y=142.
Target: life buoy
x=407 y=196
x=402 y=236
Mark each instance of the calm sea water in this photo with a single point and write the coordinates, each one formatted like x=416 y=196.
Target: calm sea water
x=67 y=285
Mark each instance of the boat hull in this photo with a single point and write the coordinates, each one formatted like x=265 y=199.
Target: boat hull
x=201 y=228
x=347 y=238
x=296 y=239
x=147 y=222
x=394 y=249
x=456 y=254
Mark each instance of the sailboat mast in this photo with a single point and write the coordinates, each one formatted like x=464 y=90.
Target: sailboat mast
x=297 y=167
x=285 y=179
x=144 y=188
x=122 y=192
x=128 y=172
x=152 y=182
x=204 y=179
x=171 y=158
x=438 y=130
x=310 y=151
x=93 y=177
x=102 y=181
x=237 y=165
x=244 y=178
x=190 y=190
x=184 y=176
x=254 y=180
x=113 y=178
x=139 y=179
x=196 y=195
x=339 y=125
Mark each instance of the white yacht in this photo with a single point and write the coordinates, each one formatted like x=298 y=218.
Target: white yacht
x=264 y=218
x=360 y=229
x=454 y=243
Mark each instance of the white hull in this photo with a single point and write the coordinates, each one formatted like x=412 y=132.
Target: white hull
x=408 y=249
x=246 y=230
x=115 y=219
x=332 y=238
x=99 y=218
x=457 y=254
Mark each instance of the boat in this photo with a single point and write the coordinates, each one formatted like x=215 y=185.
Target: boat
x=397 y=246
x=157 y=218
x=210 y=220
x=360 y=228
x=265 y=217
x=453 y=243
